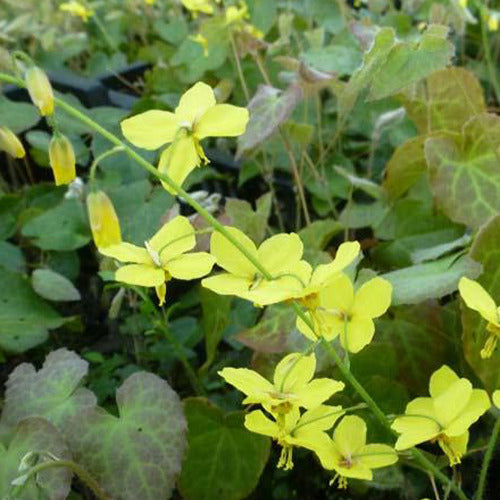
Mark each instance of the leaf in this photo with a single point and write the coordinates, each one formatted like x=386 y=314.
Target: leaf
x=63 y=227
x=35 y=435
x=53 y=286
x=138 y=454
x=263 y=14
x=431 y=253
x=269 y=335
x=406 y=166
x=339 y=59
x=369 y=187
x=11 y=257
x=24 y=316
x=431 y=280
x=53 y=392
x=445 y=101
x=224 y=460
x=268 y=108
x=485 y=250
x=214 y=321
x=464 y=174
x=408 y=63
x=18 y=116
x=251 y=222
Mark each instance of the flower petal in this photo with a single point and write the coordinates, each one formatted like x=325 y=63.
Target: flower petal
x=441 y=380
x=360 y=333
x=139 y=274
x=178 y=160
x=477 y=298
x=294 y=371
x=477 y=405
x=350 y=435
x=346 y=254
x=257 y=422
x=318 y=391
x=222 y=120
x=227 y=255
x=150 y=130
x=374 y=456
x=191 y=266
x=338 y=295
x=449 y=404
x=496 y=398
x=227 y=284
x=174 y=238
x=126 y=252
x=281 y=253
x=246 y=381
x=194 y=103
x=372 y=299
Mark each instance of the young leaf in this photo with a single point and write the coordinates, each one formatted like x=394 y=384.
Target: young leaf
x=53 y=286
x=224 y=461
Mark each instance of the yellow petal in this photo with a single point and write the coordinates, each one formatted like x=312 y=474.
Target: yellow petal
x=441 y=380
x=454 y=447
x=477 y=405
x=227 y=284
x=477 y=298
x=304 y=328
x=191 y=266
x=103 y=220
x=178 y=160
x=126 y=252
x=339 y=295
x=40 y=90
x=264 y=292
x=318 y=391
x=453 y=401
x=140 y=274
x=194 y=103
x=374 y=456
x=294 y=371
x=174 y=238
x=350 y=435
x=10 y=143
x=150 y=130
x=222 y=120
x=359 y=332
x=227 y=255
x=257 y=422
x=281 y=253
x=345 y=256
x=247 y=381
x=372 y=299
x=496 y=398
x=320 y=418
x=62 y=159
x=161 y=292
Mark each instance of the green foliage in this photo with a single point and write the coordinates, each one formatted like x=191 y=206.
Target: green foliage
x=53 y=286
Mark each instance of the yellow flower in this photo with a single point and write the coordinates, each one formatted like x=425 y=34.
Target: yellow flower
x=197 y=116
x=292 y=429
x=10 y=143
x=201 y=40
x=77 y=9
x=492 y=21
x=444 y=417
x=292 y=385
x=280 y=255
x=349 y=455
x=40 y=90
x=477 y=298
x=195 y=6
x=236 y=14
x=496 y=399
x=104 y=222
x=162 y=258
x=62 y=159
x=462 y=3
x=341 y=311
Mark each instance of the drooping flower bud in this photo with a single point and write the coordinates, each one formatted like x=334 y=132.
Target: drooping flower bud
x=10 y=143
x=104 y=222
x=40 y=90
x=62 y=159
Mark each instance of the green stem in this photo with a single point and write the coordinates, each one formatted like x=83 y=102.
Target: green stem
x=82 y=474
x=100 y=158
x=381 y=417
x=487 y=53
x=487 y=459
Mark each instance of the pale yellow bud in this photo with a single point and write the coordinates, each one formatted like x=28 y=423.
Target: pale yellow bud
x=10 y=143
x=62 y=159
x=104 y=222
x=40 y=90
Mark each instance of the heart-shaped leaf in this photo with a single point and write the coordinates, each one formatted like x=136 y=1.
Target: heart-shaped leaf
x=36 y=436
x=53 y=286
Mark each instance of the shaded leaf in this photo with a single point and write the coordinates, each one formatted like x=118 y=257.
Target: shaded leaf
x=11 y=257
x=224 y=460
x=18 y=116
x=339 y=59
x=53 y=286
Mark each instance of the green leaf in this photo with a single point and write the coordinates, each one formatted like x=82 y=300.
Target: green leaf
x=224 y=460
x=53 y=286
x=463 y=172
x=18 y=116
x=138 y=454
x=214 y=321
x=485 y=250
x=173 y=32
x=53 y=392
x=409 y=63
x=431 y=280
x=63 y=227
x=263 y=14
x=11 y=257
x=25 y=318
x=445 y=101
x=35 y=435
x=268 y=108
x=339 y=59
x=251 y=222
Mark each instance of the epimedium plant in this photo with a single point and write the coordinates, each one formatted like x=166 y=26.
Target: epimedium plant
x=52 y=426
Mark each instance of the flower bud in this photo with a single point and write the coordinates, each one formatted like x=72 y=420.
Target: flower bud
x=104 y=222
x=62 y=159
x=40 y=90
x=10 y=143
